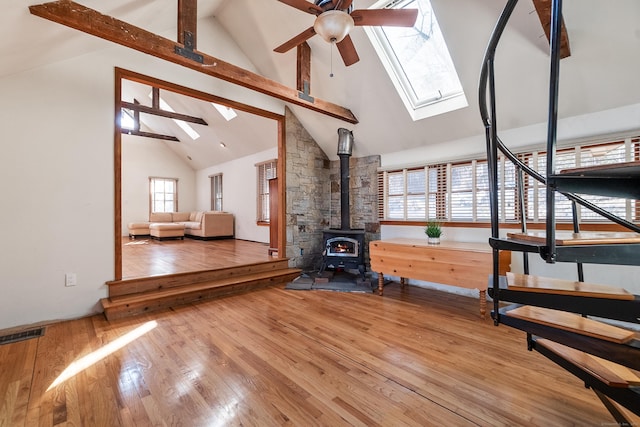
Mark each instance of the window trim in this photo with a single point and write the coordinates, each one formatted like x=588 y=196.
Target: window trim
x=417 y=108
x=152 y=179
x=216 y=180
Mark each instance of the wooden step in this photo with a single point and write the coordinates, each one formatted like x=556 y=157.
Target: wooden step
x=612 y=180
x=625 y=170
x=610 y=373
x=572 y=323
x=566 y=238
x=131 y=304
x=145 y=284
x=529 y=283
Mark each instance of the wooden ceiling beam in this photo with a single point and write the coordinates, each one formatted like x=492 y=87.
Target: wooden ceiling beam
x=187 y=22
x=149 y=135
x=162 y=113
x=303 y=69
x=543 y=8
x=92 y=22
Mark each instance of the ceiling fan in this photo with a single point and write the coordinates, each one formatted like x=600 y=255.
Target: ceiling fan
x=335 y=18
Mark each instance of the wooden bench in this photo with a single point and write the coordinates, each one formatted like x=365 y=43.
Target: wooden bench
x=461 y=264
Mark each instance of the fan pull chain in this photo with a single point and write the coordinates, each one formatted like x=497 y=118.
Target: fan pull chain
x=331 y=68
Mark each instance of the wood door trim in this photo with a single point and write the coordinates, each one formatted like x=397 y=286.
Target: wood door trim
x=121 y=74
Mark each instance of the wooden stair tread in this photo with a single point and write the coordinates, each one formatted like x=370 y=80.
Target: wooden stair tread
x=564 y=238
x=529 y=283
x=573 y=323
x=614 y=169
x=610 y=373
x=173 y=291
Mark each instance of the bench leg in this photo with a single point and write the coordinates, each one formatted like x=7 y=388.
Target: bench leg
x=483 y=304
x=380 y=283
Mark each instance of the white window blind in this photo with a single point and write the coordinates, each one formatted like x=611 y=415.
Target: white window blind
x=265 y=172
x=460 y=191
x=602 y=155
x=395 y=195
x=416 y=202
x=482 y=206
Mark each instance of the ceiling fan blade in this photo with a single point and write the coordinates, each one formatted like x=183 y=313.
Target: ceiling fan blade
x=304 y=6
x=348 y=51
x=385 y=17
x=299 y=39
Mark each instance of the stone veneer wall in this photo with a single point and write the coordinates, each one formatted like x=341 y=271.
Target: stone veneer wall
x=313 y=196
x=307 y=193
x=363 y=197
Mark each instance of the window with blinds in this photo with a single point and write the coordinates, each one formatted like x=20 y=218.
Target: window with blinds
x=460 y=191
x=163 y=194
x=265 y=171
x=216 y=192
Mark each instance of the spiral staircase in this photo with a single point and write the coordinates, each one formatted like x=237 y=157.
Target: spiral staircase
x=588 y=329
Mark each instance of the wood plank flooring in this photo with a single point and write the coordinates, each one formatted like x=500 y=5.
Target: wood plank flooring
x=145 y=257
x=276 y=357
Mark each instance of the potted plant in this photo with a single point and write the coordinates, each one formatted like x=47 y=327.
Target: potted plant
x=433 y=232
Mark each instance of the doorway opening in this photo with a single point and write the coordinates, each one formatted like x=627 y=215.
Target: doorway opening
x=153 y=112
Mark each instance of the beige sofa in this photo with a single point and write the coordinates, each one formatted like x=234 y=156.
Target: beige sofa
x=197 y=224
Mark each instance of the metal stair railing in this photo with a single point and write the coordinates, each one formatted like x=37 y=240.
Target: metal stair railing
x=627 y=398
x=495 y=144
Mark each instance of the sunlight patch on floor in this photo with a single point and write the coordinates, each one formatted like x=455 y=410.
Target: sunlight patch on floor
x=104 y=351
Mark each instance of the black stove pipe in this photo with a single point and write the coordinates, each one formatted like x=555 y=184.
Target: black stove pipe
x=345 y=148
x=345 y=218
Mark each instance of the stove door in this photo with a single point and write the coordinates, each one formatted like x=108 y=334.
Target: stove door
x=342 y=247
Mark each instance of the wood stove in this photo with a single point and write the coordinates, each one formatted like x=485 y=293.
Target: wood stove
x=344 y=247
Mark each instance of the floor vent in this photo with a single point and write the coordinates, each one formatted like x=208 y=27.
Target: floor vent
x=21 y=336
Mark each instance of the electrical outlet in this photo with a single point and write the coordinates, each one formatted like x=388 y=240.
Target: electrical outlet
x=70 y=279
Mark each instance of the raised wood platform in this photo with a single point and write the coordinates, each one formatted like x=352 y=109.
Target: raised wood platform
x=136 y=296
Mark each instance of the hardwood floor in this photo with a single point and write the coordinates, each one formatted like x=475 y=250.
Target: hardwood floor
x=144 y=256
x=276 y=357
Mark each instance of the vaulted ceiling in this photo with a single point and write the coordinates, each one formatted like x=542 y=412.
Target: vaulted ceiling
x=599 y=75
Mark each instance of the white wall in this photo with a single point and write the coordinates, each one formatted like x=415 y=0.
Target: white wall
x=143 y=158
x=608 y=123
x=238 y=192
x=58 y=176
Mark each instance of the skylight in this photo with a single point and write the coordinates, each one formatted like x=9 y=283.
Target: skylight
x=227 y=112
x=183 y=125
x=418 y=61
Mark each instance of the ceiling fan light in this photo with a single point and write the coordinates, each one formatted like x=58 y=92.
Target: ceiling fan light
x=333 y=25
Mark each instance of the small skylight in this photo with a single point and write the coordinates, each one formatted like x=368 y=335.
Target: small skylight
x=183 y=125
x=418 y=61
x=226 y=112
